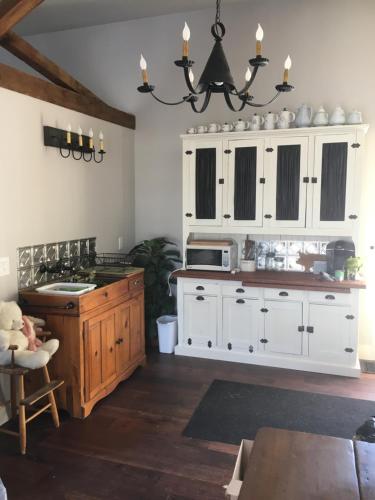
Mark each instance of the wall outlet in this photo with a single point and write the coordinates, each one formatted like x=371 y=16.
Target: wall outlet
x=120 y=243
x=4 y=266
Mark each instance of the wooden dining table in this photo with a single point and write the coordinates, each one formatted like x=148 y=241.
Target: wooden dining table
x=290 y=465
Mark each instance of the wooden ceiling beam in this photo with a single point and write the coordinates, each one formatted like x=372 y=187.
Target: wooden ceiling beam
x=33 y=86
x=12 y=11
x=31 y=56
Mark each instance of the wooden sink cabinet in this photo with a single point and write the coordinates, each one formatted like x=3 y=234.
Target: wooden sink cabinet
x=101 y=335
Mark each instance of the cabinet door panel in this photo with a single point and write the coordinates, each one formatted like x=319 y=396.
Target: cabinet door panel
x=334 y=330
x=244 y=190
x=200 y=320
x=108 y=349
x=241 y=320
x=334 y=189
x=285 y=190
x=203 y=193
x=281 y=324
x=122 y=337
x=136 y=321
x=93 y=358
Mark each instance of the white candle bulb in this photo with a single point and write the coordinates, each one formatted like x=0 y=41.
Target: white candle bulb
x=288 y=63
x=80 y=139
x=259 y=34
x=91 y=133
x=69 y=128
x=191 y=76
x=248 y=74
x=79 y=131
x=101 y=141
x=143 y=63
x=186 y=33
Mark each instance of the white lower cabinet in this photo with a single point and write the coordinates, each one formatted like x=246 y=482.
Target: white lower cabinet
x=311 y=331
x=283 y=327
x=241 y=322
x=200 y=320
x=332 y=333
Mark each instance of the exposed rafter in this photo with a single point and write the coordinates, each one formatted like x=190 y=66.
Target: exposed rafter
x=27 y=53
x=19 y=81
x=12 y=11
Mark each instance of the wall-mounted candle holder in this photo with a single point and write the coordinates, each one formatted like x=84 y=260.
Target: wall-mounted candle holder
x=75 y=145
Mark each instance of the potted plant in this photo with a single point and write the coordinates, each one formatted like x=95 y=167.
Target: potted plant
x=353 y=265
x=159 y=257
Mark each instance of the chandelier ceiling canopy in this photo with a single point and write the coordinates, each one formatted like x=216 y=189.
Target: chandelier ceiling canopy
x=216 y=76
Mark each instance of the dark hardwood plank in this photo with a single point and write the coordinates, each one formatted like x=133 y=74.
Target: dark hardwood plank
x=19 y=81
x=365 y=461
x=131 y=446
x=12 y=11
x=27 y=53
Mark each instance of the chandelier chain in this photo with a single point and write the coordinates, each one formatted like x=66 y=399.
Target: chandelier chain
x=217 y=18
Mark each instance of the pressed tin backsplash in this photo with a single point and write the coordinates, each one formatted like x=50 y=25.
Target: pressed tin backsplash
x=72 y=254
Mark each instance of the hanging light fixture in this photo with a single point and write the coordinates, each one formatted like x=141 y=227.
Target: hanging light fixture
x=216 y=77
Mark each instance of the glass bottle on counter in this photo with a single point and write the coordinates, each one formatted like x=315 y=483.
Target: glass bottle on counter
x=279 y=263
x=270 y=261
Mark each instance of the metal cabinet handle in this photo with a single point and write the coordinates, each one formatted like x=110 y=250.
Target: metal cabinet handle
x=349 y=349
x=330 y=297
x=188 y=214
x=229 y=346
x=199 y=297
x=310 y=329
x=240 y=301
x=189 y=341
x=268 y=216
x=284 y=294
x=209 y=343
x=240 y=290
x=199 y=287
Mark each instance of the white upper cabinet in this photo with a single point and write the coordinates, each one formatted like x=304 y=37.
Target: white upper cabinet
x=203 y=183
x=243 y=196
x=286 y=172
x=334 y=181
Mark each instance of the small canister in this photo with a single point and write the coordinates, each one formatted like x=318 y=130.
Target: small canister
x=279 y=263
x=270 y=261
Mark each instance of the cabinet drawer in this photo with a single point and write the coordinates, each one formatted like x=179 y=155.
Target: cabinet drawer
x=201 y=288
x=240 y=291
x=136 y=282
x=330 y=298
x=282 y=294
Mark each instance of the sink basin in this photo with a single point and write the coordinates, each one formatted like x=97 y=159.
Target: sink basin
x=66 y=288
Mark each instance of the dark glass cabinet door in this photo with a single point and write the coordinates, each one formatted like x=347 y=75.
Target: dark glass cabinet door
x=245 y=189
x=204 y=191
x=334 y=181
x=286 y=170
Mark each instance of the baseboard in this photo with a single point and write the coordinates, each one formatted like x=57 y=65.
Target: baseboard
x=287 y=362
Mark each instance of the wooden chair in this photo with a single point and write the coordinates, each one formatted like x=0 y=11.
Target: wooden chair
x=17 y=374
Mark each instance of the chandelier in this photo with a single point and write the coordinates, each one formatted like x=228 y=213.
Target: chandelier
x=216 y=77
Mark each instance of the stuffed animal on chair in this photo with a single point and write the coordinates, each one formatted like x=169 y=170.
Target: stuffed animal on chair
x=11 y=325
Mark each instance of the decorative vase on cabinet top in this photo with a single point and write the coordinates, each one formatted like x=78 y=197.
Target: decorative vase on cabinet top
x=256 y=121
x=354 y=117
x=270 y=120
x=337 y=117
x=286 y=117
x=320 y=117
x=304 y=116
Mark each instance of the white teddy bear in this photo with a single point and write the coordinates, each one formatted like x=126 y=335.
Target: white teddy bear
x=11 y=324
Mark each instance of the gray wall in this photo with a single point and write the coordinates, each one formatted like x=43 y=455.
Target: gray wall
x=331 y=43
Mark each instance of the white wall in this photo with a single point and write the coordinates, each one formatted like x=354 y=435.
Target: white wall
x=44 y=198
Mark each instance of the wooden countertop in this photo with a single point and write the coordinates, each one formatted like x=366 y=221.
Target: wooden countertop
x=275 y=279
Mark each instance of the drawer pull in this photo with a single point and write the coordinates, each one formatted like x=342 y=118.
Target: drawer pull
x=118 y=341
x=240 y=301
x=188 y=214
x=111 y=349
x=301 y=328
x=251 y=349
x=264 y=341
x=199 y=297
x=240 y=290
x=330 y=297
x=229 y=346
x=349 y=316
x=105 y=294
x=268 y=216
x=209 y=343
x=264 y=310
x=349 y=349
x=310 y=329
x=200 y=287
x=284 y=294
x=189 y=341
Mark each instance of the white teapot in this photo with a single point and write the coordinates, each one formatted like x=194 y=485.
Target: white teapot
x=256 y=121
x=286 y=117
x=270 y=120
x=214 y=127
x=227 y=127
x=337 y=117
x=304 y=116
x=240 y=125
x=320 y=118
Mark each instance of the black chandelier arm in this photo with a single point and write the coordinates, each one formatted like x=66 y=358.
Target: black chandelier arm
x=188 y=83
x=204 y=105
x=230 y=105
x=259 y=105
x=184 y=99
x=248 y=84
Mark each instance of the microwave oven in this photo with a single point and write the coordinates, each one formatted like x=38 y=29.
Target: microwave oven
x=211 y=255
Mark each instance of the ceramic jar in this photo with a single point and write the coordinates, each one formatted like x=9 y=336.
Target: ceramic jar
x=320 y=118
x=240 y=125
x=214 y=127
x=337 y=117
x=256 y=122
x=304 y=116
x=227 y=127
x=285 y=118
x=270 y=120
x=201 y=129
x=354 y=117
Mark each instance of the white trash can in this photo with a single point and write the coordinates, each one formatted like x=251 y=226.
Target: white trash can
x=167 y=333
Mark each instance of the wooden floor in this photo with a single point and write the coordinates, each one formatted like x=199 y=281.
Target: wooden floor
x=131 y=446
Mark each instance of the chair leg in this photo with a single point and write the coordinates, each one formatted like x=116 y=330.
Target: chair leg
x=51 y=397
x=22 y=415
x=13 y=395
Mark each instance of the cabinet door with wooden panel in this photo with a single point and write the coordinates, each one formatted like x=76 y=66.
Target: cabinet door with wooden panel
x=283 y=322
x=93 y=357
x=108 y=334
x=334 y=182
x=243 y=193
x=332 y=333
x=203 y=173
x=241 y=322
x=286 y=170
x=136 y=327
x=122 y=337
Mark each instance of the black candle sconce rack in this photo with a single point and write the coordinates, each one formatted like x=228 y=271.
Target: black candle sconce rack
x=57 y=138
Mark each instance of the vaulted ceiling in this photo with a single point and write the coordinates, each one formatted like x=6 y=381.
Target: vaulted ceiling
x=55 y=15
